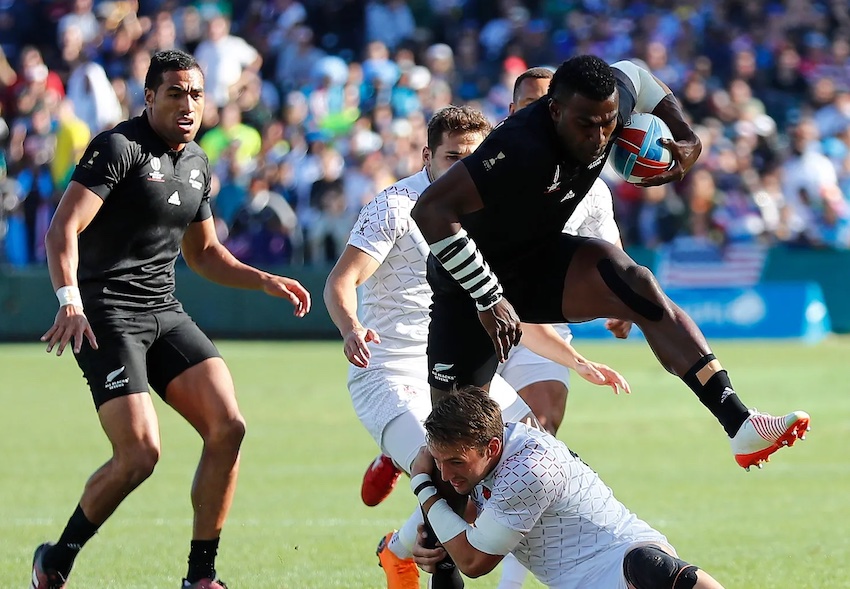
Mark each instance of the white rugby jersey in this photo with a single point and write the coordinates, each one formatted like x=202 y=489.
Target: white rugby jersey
x=594 y=215
x=573 y=528
x=396 y=298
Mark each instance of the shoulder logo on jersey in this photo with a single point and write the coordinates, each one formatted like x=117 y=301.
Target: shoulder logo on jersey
x=596 y=162
x=555 y=181
x=570 y=194
x=155 y=175
x=193 y=182
x=489 y=163
x=174 y=199
x=90 y=161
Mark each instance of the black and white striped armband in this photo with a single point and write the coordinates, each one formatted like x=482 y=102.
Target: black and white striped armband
x=460 y=257
x=423 y=487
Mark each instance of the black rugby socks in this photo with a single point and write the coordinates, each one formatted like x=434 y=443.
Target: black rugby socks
x=712 y=386
x=202 y=555
x=78 y=531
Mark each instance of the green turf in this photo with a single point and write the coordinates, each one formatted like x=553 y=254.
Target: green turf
x=298 y=522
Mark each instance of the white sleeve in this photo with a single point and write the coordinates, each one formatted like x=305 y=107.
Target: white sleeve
x=594 y=217
x=245 y=52
x=526 y=485
x=381 y=223
x=489 y=536
x=648 y=92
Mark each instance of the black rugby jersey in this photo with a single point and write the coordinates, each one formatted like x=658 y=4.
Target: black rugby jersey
x=529 y=185
x=151 y=193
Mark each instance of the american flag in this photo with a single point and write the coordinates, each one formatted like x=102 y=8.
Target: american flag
x=690 y=262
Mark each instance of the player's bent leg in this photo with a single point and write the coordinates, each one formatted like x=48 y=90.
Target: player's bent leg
x=204 y=395
x=547 y=399
x=652 y=567
x=602 y=281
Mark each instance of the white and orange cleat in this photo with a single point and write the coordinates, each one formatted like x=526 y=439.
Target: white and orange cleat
x=763 y=434
x=402 y=573
x=379 y=480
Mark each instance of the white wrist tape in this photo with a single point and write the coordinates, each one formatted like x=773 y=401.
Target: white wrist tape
x=423 y=487
x=69 y=295
x=445 y=522
x=460 y=257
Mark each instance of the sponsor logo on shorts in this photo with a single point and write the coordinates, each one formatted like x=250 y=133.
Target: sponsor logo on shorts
x=439 y=372
x=112 y=384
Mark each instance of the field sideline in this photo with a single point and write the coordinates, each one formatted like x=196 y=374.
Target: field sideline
x=298 y=522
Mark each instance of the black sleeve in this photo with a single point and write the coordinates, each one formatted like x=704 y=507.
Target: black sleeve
x=509 y=163
x=628 y=95
x=204 y=209
x=106 y=162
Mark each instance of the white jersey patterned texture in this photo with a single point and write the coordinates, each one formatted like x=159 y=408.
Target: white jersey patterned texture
x=575 y=532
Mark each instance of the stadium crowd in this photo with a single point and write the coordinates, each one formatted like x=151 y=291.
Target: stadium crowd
x=314 y=106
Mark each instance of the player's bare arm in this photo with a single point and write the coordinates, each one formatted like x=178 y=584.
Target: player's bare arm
x=352 y=269
x=75 y=212
x=545 y=341
x=655 y=97
x=205 y=255
x=472 y=562
x=437 y=213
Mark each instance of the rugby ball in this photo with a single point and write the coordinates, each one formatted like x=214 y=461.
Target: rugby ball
x=637 y=153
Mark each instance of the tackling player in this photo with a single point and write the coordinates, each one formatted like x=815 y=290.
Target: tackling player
x=386 y=254
x=537 y=500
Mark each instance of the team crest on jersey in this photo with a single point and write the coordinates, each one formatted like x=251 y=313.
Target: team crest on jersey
x=486 y=492
x=193 y=182
x=155 y=175
x=489 y=163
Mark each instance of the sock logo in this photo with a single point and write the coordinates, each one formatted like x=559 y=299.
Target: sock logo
x=726 y=392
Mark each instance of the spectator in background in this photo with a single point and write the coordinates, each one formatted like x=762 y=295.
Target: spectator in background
x=296 y=59
x=231 y=131
x=265 y=229
x=226 y=60
x=389 y=21
x=82 y=18
x=93 y=97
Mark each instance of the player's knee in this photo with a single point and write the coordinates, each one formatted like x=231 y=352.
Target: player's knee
x=136 y=463
x=649 y=567
x=635 y=286
x=227 y=434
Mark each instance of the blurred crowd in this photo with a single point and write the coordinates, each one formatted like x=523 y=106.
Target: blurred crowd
x=314 y=106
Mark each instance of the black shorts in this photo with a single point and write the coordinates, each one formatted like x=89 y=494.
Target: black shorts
x=140 y=349
x=459 y=349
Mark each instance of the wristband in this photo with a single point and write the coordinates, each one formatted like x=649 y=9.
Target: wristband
x=461 y=258
x=423 y=487
x=445 y=522
x=69 y=295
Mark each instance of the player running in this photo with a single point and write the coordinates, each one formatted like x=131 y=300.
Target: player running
x=140 y=196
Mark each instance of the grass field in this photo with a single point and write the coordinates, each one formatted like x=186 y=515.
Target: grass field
x=298 y=521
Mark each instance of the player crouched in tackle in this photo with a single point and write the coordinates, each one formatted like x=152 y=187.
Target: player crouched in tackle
x=537 y=500
x=140 y=196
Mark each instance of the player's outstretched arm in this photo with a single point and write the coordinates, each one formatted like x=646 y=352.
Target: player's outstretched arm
x=205 y=254
x=545 y=341
x=75 y=212
x=352 y=269
x=437 y=213
x=655 y=97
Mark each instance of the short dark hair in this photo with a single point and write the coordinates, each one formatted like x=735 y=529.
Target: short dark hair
x=466 y=417
x=456 y=119
x=170 y=60
x=535 y=73
x=586 y=75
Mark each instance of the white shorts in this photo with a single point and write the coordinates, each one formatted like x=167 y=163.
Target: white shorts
x=606 y=570
x=392 y=407
x=524 y=367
